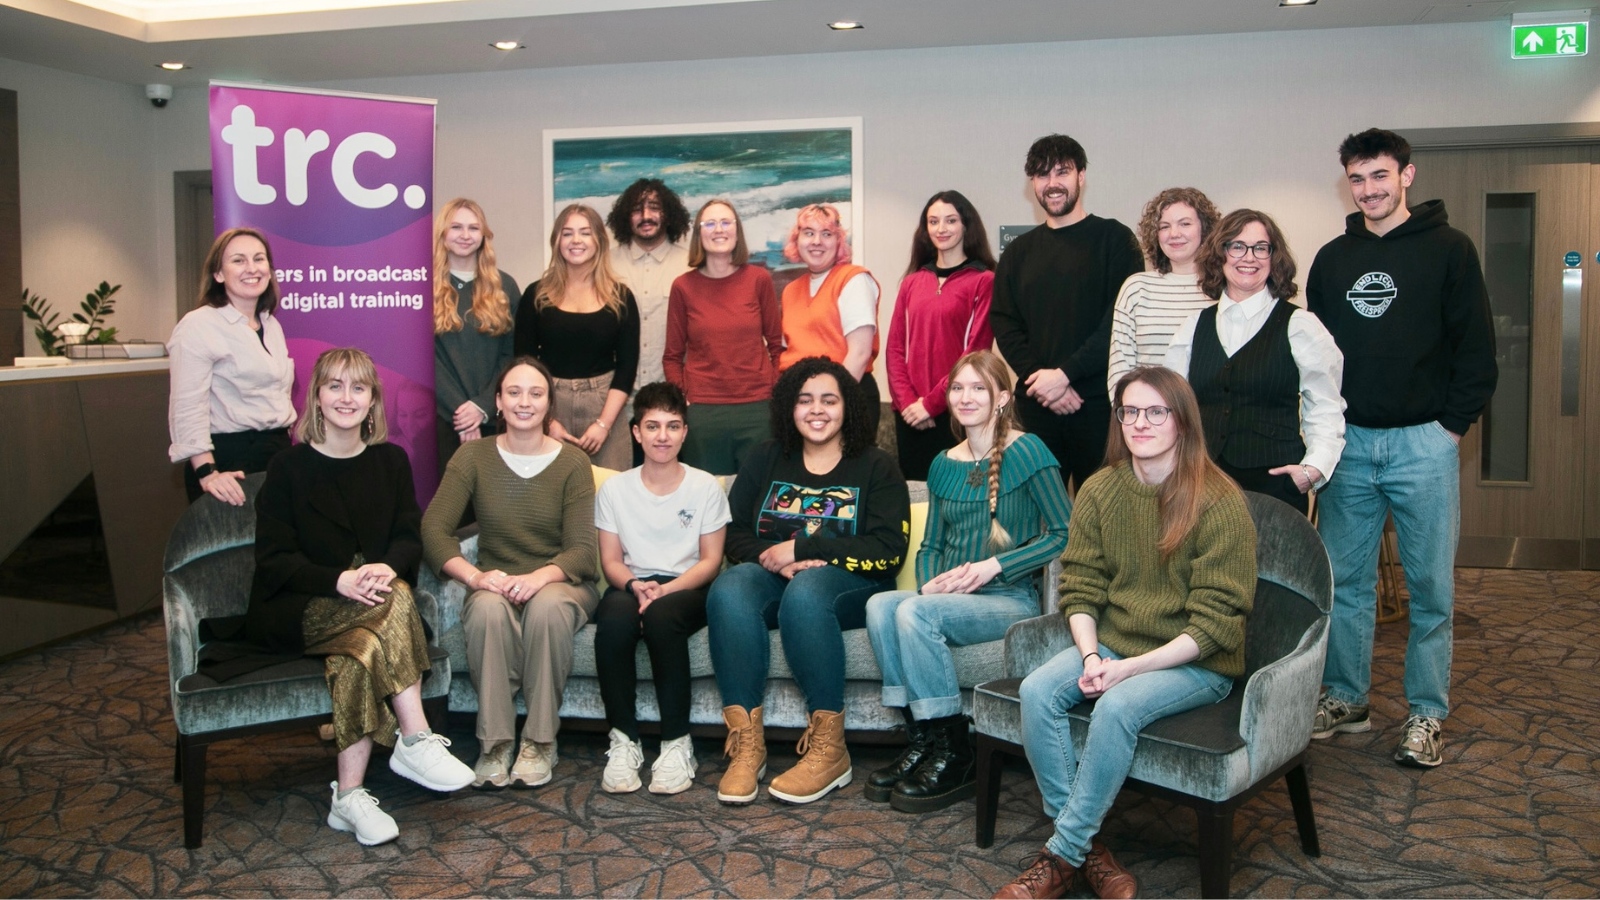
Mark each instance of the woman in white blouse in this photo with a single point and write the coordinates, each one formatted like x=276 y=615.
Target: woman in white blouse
x=229 y=410
x=1266 y=372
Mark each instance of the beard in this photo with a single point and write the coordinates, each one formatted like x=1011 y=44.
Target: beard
x=1058 y=205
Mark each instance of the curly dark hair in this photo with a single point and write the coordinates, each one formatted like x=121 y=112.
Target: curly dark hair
x=659 y=395
x=1213 y=256
x=674 y=216
x=1054 y=150
x=1150 y=221
x=1373 y=143
x=856 y=435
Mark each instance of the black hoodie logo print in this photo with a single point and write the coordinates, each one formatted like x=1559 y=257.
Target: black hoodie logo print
x=1372 y=294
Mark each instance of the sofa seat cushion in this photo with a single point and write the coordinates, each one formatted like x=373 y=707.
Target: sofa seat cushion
x=1198 y=752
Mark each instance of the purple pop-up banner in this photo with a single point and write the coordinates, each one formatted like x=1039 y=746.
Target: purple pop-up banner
x=342 y=186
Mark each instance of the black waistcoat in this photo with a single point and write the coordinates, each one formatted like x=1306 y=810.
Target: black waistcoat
x=1249 y=403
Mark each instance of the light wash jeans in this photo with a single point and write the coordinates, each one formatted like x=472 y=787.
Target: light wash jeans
x=811 y=612
x=1078 y=793
x=912 y=633
x=1413 y=472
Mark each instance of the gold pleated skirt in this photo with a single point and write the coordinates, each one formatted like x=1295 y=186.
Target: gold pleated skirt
x=373 y=653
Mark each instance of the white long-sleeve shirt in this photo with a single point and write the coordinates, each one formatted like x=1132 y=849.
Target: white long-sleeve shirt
x=1318 y=358
x=225 y=379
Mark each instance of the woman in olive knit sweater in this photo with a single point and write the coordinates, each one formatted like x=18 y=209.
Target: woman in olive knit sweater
x=530 y=591
x=1157 y=579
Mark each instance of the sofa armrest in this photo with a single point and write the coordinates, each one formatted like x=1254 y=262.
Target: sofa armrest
x=1280 y=701
x=1031 y=643
x=183 y=632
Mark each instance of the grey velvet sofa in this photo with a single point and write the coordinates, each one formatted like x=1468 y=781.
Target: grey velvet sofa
x=784 y=706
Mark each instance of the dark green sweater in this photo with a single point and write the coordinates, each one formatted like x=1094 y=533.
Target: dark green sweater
x=1113 y=570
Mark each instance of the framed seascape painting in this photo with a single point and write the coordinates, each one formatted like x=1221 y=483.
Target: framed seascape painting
x=768 y=170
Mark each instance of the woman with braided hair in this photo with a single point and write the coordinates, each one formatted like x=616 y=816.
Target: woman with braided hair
x=997 y=514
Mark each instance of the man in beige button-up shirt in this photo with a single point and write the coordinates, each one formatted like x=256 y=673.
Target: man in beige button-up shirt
x=649 y=222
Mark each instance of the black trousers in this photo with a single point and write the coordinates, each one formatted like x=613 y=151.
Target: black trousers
x=1078 y=439
x=242 y=451
x=666 y=626
x=1280 y=486
x=917 y=447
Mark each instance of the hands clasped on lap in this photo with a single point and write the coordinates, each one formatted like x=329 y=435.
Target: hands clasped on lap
x=368 y=585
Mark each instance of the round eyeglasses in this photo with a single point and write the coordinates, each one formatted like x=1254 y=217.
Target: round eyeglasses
x=1237 y=249
x=1155 y=415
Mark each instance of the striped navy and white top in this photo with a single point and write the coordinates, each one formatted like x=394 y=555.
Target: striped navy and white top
x=1150 y=308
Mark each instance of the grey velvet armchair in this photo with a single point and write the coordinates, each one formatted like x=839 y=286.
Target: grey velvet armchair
x=209 y=564
x=1217 y=757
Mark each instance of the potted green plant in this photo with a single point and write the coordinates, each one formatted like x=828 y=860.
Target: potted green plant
x=96 y=308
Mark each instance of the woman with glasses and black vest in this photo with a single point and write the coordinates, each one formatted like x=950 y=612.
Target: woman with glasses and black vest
x=1267 y=373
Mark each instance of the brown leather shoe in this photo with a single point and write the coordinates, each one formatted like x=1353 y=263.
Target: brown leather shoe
x=1048 y=876
x=824 y=762
x=746 y=749
x=1106 y=877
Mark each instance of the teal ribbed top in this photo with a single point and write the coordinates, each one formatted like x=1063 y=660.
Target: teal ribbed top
x=1033 y=507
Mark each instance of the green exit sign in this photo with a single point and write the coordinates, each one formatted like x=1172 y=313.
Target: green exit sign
x=1563 y=39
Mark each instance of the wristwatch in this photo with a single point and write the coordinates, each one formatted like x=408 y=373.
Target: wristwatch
x=204 y=469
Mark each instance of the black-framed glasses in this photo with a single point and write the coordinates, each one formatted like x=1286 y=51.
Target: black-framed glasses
x=1155 y=415
x=1237 y=249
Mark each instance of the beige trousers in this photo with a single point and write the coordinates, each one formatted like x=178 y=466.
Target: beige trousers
x=579 y=401
x=525 y=647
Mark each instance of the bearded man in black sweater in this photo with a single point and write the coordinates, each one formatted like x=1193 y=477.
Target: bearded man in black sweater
x=1054 y=290
x=1403 y=294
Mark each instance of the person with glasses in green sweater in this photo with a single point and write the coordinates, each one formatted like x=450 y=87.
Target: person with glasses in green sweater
x=997 y=514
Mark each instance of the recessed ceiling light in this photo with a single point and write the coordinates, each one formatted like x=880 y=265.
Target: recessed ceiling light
x=173 y=66
x=846 y=25
x=507 y=45
x=1297 y=2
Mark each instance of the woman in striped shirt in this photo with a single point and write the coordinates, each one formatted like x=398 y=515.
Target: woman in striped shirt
x=998 y=514
x=1152 y=305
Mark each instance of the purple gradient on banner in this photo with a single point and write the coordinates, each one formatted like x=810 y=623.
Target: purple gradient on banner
x=343 y=188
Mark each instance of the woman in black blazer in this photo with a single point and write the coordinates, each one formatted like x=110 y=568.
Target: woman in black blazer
x=337 y=546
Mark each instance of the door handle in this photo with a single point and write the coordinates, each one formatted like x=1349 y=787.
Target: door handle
x=1571 y=313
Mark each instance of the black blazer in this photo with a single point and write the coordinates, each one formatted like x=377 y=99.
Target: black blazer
x=313 y=515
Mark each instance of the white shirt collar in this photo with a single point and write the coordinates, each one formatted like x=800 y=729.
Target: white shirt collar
x=1251 y=306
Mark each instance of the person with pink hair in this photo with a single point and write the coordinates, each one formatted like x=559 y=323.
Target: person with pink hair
x=831 y=311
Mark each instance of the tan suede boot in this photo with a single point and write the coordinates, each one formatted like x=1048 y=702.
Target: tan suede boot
x=824 y=762
x=746 y=750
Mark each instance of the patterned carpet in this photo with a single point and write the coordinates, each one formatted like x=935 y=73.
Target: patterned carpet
x=88 y=807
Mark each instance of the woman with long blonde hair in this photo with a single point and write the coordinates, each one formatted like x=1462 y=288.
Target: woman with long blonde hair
x=583 y=323
x=472 y=316
x=997 y=514
x=1157 y=580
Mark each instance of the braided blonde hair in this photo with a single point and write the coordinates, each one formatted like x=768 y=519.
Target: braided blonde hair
x=997 y=378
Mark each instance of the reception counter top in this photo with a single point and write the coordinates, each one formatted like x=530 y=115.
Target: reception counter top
x=82 y=368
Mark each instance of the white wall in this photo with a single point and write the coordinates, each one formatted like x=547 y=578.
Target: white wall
x=1254 y=120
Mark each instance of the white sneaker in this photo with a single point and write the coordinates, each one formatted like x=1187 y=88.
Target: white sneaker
x=358 y=812
x=622 y=765
x=429 y=763
x=535 y=764
x=673 y=771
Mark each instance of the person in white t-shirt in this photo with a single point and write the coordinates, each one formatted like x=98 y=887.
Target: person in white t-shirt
x=661 y=528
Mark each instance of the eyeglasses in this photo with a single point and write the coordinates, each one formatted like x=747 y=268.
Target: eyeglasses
x=1155 y=415
x=718 y=225
x=1237 y=249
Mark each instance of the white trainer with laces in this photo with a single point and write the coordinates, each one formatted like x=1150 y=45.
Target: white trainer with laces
x=430 y=763
x=622 y=765
x=358 y=812
x=674 y=770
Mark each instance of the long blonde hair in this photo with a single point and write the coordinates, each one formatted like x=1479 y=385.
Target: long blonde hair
x=349 y=364
x=997 y=379
x=553 y=284
x=490 y=305
x=1183 y=493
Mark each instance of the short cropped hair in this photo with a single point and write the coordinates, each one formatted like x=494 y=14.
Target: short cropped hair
x=1054 y=150
x=1373 y=143
x=659 y=396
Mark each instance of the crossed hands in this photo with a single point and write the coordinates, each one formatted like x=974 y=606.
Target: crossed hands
x=1054 y=391
x=963 y=579
x=1101 y=674
x=367 y=585
x=468 y=421
x=916 y=416
x=779 y=560
x=519 y=589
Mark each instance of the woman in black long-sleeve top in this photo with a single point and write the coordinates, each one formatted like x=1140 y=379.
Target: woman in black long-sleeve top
x=582 y=322
x=337 y=546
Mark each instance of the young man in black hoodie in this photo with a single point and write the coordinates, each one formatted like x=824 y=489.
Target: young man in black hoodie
x=1403 y=294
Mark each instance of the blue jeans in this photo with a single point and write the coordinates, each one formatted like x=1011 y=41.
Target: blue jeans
x=1413 y=472
x=810 y=611
x=1078 y=793
x=911 y=636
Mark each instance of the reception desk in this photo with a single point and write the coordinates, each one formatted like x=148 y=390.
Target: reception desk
x=62 y=425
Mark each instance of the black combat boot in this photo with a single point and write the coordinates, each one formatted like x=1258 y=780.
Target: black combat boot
x=947 y=774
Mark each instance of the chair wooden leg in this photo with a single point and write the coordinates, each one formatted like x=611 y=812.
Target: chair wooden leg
x=437 y=711
x=177 y=762
x=192 y=764
x=988 y=800
x=1304 y=817
x=1216 y=849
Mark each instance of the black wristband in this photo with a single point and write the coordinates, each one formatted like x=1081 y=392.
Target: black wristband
x=1093 y=653
x=629 y=586
x=204 y=469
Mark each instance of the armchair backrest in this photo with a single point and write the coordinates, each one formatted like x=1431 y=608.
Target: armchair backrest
x=1294 y=582
x=212 y=553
